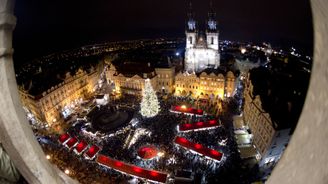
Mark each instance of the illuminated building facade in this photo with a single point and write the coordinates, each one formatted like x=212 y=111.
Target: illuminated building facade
x=165 y=80
x=50 y=105
x=129 y=78
x=202 y=51
x=269 y=139
x=205 y=85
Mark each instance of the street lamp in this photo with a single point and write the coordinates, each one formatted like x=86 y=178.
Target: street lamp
x=160 y=154
x=48 y=157
x=67 y=171
x=243 y=50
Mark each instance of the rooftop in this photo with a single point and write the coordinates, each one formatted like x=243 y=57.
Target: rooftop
x=282 y=89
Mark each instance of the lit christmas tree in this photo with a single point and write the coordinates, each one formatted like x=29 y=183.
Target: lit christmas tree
x=149 y=103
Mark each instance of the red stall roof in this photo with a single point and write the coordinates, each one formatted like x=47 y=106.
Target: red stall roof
x=198 y=125
x=199 y=148
x=93 y=150
x=63 y=138
x=184 y=109
x=81 y=147
x=131 y=169
x=71 y=142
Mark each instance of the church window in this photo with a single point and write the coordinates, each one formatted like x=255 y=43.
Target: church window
x=212 y=40
x=190 y=39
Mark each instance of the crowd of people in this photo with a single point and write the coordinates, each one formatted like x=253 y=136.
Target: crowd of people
x=163 y=128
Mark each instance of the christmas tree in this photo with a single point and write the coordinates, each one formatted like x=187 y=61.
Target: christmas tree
x=149 y=103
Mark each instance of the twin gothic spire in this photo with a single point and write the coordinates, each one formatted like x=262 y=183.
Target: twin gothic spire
x=211 y=23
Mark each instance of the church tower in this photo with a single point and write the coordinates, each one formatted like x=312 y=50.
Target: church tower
x=212 y=32
x=202 y=52
x=191 y=30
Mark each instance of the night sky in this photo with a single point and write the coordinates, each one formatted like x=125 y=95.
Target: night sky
x=45 y=26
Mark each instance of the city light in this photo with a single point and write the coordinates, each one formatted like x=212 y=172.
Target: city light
x=67 y=171
x=160 y=103
x=160 y=154
x=243 y=50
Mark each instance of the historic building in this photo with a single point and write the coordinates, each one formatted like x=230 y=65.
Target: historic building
x=269 y=138
x=202 y=50
x=205 y=85
x=165 y=79
x=129 y=78
x=49 y=102
x=202 y=54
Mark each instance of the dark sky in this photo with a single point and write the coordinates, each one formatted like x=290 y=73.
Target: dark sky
x=45 y=26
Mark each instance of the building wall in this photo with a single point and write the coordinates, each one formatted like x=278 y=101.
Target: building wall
x=204 y=86
x=269 y=142
x=201 y=52
x=198 y=59
x=190 y=39
x=258 y=121
x=182 y=84
x=130 y=85
x=48 y=105
x=165 y=79
x=277 y=147
x=213 y=40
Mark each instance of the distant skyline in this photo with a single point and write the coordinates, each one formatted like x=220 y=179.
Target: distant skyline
x=44 y=27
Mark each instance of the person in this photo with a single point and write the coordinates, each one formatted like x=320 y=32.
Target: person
x=8 y=172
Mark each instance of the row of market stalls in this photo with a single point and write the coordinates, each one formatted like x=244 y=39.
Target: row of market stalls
x=79 y=146
x=198 y=126
x=91 y=152
x=187 y=110
x=199 y=149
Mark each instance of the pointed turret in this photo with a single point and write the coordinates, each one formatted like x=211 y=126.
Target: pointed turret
x=191 y=23
x=211 y=22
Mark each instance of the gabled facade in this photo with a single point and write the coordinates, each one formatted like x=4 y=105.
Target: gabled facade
x=202 y=51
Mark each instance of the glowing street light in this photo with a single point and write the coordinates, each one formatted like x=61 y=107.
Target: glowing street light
x=183 y=106
x=160 y=154
x=67 y=171
x=243 y=50
x=48 y=157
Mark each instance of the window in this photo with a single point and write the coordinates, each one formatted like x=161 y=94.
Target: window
x=190 y=39
x=212 y=40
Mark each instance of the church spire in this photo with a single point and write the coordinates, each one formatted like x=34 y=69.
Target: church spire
x=191 y=24
x=211 y=22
